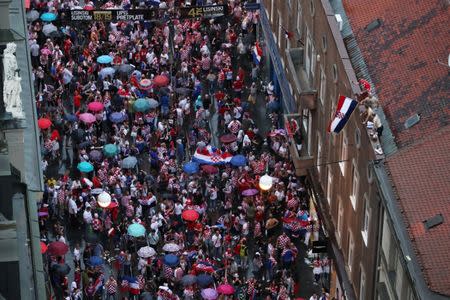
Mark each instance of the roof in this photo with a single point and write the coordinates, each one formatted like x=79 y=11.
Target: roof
x=401 y=58
x=428 y=164
x=400 y=55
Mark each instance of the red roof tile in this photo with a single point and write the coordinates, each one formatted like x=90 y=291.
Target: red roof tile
x=401 y=57
x=422 y=181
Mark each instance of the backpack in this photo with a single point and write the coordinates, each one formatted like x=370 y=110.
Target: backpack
x=243 y=251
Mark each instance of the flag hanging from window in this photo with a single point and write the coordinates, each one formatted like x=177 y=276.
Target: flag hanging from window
x=288 y=34
x=344 y=110
x=257 y=53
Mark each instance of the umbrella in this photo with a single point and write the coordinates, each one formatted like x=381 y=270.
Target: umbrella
x=190 y=215
x=48 y=17
x=46 y=51
x=146 y=252
x=238 y=160
x=43 y=248
x=226 y=289
x=171 y=247
x=136 y=230
x=49 y=28
x=44 y=123
x=57 y=248
x=190 y=168
x=71 y=118
x=250 y=192
x=126 y=69
x=95 y=106
x=161 y=80
x=95 y=261
x=104 y=59
x=228 y=138
x=84 y=144
x=189 y=279
x=87 y=118
x=113 y=204
x=32 y=15
x=209 y=294
x=108 y=71
x=204 y=280
x=141 y=105
x=62 y=269
x=95 y=155
x=153 y=103
x=96 y=191
x=85 y=167
x=210 y=169
x=145 y=84
x=110 y=150
x=171 y=260
x=129 y=162
x=117 y=117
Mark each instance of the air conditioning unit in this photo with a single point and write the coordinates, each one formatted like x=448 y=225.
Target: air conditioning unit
x=340 y=21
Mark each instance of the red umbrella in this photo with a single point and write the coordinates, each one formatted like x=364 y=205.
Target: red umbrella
x=190 y=215
x=145 y=84
x=161 y=80
x=210 y=169
x=57 y=248
x=226 y=289
x=113 y=205
x=43 y=248
x=44 y=123
x=228 y=138
x=95 y=106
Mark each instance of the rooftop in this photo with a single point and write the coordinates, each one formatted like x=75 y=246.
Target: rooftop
x=401 y=42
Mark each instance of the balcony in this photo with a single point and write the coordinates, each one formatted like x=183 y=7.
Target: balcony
x=295 y=63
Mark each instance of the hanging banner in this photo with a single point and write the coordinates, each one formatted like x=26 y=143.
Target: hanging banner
x=209 y=11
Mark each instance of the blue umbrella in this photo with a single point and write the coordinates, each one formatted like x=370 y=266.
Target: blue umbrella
x=48 y=17
x=136 y=230
x=95 y=261
x=108 y=71
x=117 y=117
x=153 y=103
x=204 y=280
x=104 y=59
x=95 y=155
x=85 y=167
x=191 y=168
x=141 y=105
x=70 y=118
x=129 y=162
x=189 y=279
x=171 y=260
x=110 y=150
x=238 y=160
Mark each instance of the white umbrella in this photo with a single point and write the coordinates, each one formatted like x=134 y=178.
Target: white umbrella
x=146 y=252
x=32 y=15
x=171 y=247
x=49 y=28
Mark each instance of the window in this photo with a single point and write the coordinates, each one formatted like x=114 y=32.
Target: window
x=329 y=184
x=272 y=10
x=311 y=7
x=358 y=138
x=323 y=84
x=280 y=30
x=344 y=152
x=319 y=152
x=355 y=185
x=366 y=220
x=369 y=173
x=324 y=43
x=299 y=19
x=351 y=248
x=335 y=73
x=340 y=222
x=362 y=284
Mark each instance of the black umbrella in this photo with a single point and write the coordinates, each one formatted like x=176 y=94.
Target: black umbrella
x=78 y=134
x=85 y=145
x=91 y=237
x=62 y=269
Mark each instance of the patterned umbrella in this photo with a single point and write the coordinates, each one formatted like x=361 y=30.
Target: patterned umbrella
x=146 y=252
x=171 y=247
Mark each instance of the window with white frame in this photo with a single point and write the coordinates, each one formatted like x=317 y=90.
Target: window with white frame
x=272 y=10
x=299 y=19
x=351 y=250
x=319 y=152
x=340 y=220
x=366 y=220
x=362 y=284
x=280 y=30
x=323 y=84
x=344 y=152
x=329 y=184
x=355 y=185
x=313 y=62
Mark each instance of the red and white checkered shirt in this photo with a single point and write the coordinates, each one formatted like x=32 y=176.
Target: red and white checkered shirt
x=234 y=126
x=283 y=241
x=111 y=286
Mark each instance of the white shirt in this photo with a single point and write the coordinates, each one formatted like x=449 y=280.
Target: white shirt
x=73 y=209
x=178 y=208
x=87 y=217
x=216 y=240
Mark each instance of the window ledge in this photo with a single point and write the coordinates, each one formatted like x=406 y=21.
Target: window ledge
x=353 y=201
x=365 y=237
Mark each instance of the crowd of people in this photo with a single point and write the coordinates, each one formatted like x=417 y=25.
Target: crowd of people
x=164 y=209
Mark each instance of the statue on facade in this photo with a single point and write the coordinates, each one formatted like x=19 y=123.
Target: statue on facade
x=12 y=87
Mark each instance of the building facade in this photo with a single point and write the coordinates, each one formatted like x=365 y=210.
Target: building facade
x=308 y=37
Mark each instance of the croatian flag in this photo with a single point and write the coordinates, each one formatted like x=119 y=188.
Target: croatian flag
x=133 y=288
x=98 y=284
x=210 y=155
x=257 y=53
x=344 y=110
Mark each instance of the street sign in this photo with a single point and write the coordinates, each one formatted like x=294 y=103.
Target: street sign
x=252 y=6
x=209 y=11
